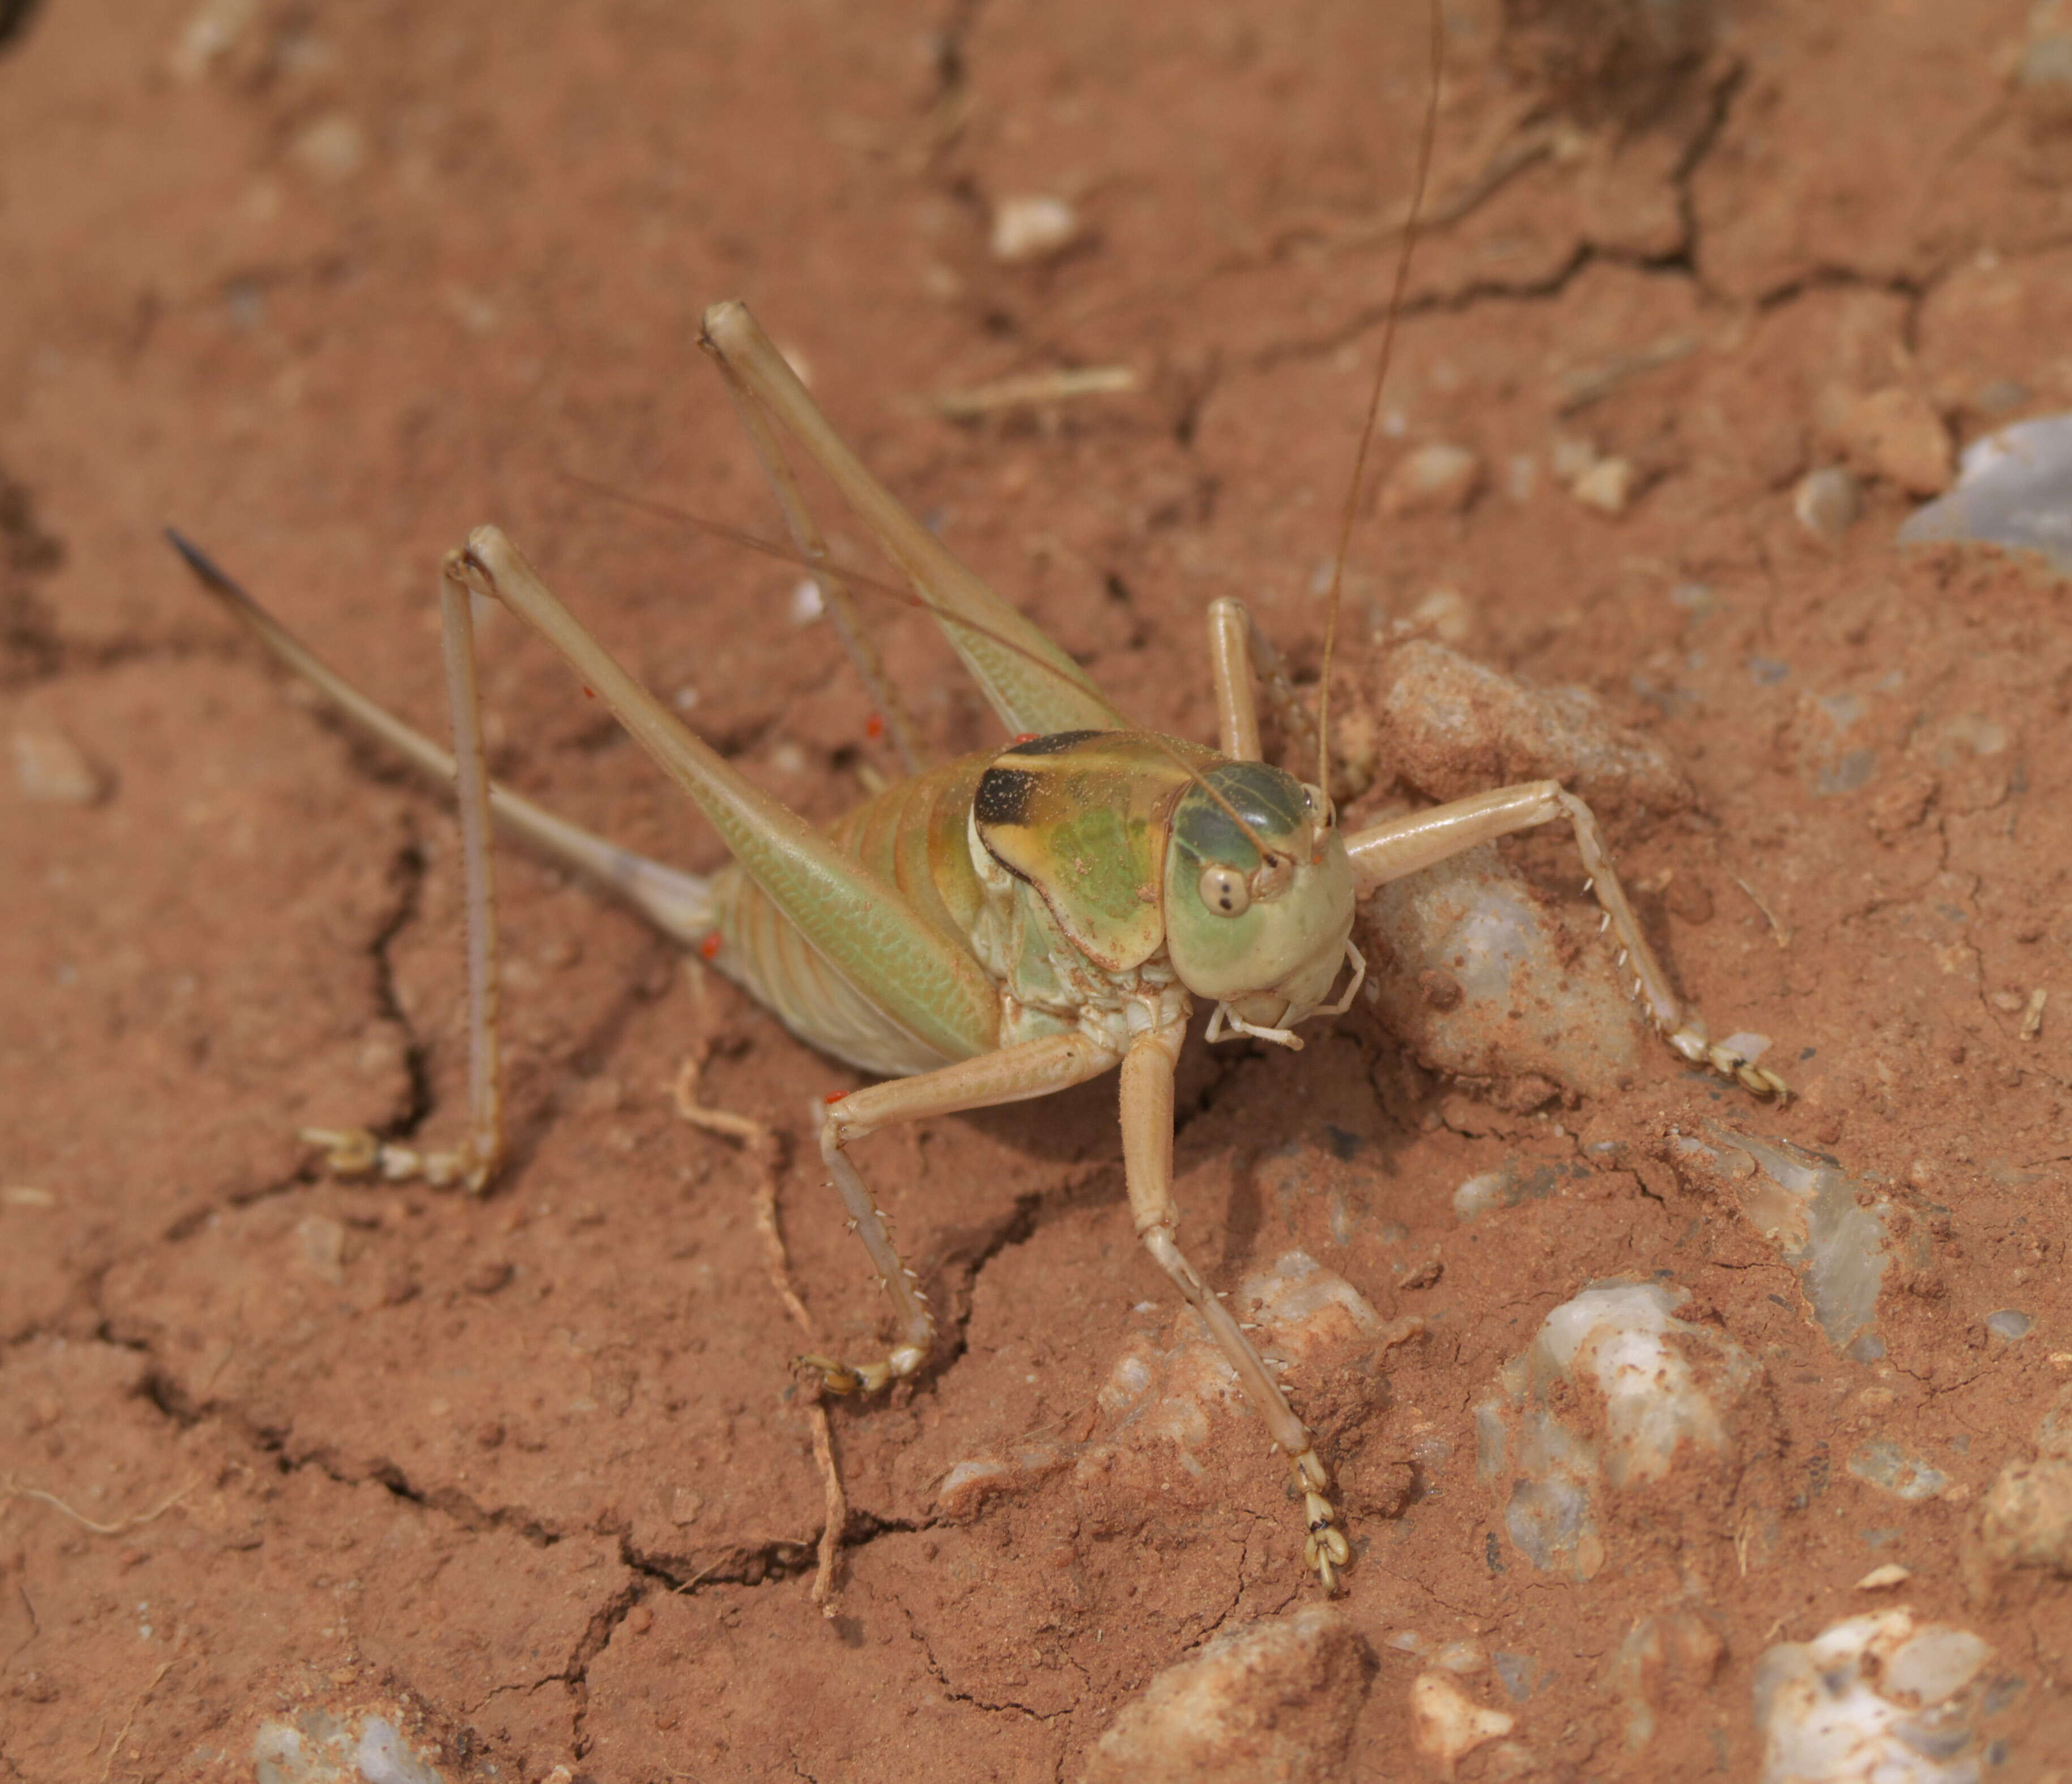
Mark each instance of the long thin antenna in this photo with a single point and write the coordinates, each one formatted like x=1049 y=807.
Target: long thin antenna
x=1424 y=146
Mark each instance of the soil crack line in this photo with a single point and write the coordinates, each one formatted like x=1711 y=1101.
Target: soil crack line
x=1007 y=1707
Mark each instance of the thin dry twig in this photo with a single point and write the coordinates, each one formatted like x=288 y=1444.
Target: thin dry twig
x=766 y=1148
x=1779 y=933
x=129 y=1721
x=1518 y=149
x=684 y=1093
x=13 y=1488
x=1033 y=388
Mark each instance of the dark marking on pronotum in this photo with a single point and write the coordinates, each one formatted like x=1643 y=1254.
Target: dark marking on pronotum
x=1004 y=797
x=1055 y=744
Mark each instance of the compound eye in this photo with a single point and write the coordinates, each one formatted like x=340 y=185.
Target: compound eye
x=1320 y=805
x=1225 y=891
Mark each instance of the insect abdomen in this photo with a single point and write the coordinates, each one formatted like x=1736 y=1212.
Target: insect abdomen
x=914 y=837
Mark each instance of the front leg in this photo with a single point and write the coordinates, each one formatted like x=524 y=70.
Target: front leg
x=1014 y=1074
x=1402 y=845
x=1147 y=1154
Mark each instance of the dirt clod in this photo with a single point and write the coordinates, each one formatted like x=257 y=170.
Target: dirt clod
x=1276 y=1699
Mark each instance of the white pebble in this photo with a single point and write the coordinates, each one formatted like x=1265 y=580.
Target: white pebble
x=1032 y=229
x=1614 y=1393
x=333 y=148
x=1607 y=486
x=1571 y=457
x=53 y=770
x=1435 y=479
x=1448 y=1726
x=1447 y=612
x=211 y=31
x=1826 y=502
x=1867 y=1701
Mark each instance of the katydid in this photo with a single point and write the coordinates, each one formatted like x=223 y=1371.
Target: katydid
x=988 y=930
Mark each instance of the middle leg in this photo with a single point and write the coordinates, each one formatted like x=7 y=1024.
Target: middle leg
x=1014 y=1074
x=1239 y=652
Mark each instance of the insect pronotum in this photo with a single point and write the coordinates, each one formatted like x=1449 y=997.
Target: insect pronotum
x=987 y=930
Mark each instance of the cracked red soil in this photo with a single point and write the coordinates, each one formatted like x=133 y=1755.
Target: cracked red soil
x=534 y=1465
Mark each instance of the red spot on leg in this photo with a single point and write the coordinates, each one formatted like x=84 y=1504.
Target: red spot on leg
x=1026 y=737
x=875 y=727
x=709 y=948
x=834 y=1096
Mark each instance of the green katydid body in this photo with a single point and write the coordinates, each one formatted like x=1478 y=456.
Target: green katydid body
x=1070 y=869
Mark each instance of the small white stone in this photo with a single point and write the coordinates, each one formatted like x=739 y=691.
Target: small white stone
x=1852 y=1705
x=333 y=148
x=53 y=770
x=319 y=1747
x=1607 y=486
x=1032 y=228
x=323 y=1247
x=211 y=31
x=1482 y=1193
x=1570 y=456
x=1881 y=1578
x=1826 y=502
x=1614 y=1393
x=1447 y=612
x=1435 y=479
x=1449 y=1726
x=1938 y=1663
x=1168 y=1390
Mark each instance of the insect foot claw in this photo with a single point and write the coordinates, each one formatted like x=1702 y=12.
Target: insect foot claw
x=1325 y=1550
x=1738 y=1066
x=835 y=1378
x=359 y=1152
x=1764 y=1082
x=840 y=1377
x=349 y=1151
x=1690 y=1041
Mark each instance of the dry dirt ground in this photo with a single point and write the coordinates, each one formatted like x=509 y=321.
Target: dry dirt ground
x=328 y=286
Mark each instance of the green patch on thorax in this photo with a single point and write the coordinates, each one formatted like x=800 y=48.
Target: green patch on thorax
x=1083 y=817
